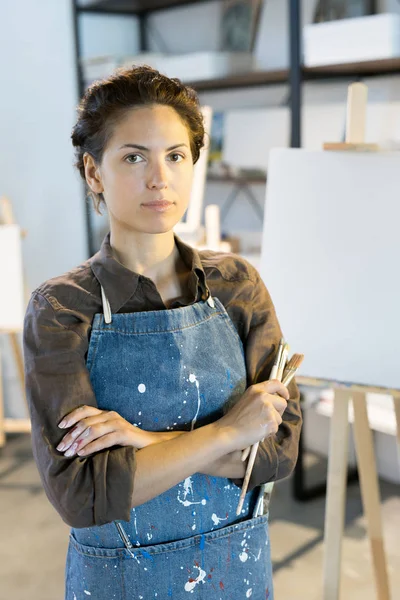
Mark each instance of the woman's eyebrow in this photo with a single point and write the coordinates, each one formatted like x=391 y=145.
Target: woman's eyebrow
x=139 y=147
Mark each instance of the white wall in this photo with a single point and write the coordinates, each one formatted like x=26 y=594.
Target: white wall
x=37 y=111
x=38 y=98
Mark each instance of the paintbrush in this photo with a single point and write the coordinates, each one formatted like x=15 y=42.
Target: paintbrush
x=277 y=362
x=291 y=368
x=288 y=375
x=276 y=373
x=283 y=361
x=290 y=371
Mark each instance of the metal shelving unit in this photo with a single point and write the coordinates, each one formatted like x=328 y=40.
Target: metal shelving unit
x=294 y=77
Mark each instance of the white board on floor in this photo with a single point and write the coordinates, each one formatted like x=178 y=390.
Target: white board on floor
x=11 y=279
x=331 y=261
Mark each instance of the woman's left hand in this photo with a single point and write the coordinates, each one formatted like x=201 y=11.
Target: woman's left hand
x=96 y=429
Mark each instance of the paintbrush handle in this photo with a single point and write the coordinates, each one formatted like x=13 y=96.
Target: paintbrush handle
x=289 y=376
x=245 y=453
x=246 y=480
x=276 y=373
x=254 y=449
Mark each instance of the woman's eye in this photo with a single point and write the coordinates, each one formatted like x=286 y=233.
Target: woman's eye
x=133 y=157
x=176 y=157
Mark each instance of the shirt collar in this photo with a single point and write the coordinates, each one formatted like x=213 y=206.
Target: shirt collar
x=120 y=283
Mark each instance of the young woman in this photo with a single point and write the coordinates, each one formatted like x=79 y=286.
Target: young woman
x=147 y=372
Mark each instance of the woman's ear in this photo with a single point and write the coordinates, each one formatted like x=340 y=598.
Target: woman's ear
x=92 y=174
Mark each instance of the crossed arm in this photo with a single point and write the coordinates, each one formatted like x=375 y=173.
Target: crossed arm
x=92 y=430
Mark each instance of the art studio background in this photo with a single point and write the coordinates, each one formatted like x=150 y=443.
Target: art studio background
x=241 y=57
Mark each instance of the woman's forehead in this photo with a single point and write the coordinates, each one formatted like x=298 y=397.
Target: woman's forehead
x=151 y=120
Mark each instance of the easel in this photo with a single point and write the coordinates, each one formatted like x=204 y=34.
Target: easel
x=336 y=481
x=12 y=425
x=337 y=461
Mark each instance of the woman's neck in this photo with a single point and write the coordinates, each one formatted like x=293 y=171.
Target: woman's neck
x=151 y=255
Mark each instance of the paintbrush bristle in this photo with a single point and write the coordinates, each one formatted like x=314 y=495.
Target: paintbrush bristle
x=295 y=361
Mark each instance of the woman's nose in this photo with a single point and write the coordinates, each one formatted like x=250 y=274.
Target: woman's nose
x=157 y=177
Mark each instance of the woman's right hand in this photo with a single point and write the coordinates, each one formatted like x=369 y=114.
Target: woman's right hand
x=255 y=416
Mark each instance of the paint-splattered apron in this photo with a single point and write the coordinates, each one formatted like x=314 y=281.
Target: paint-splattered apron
x=174 y=369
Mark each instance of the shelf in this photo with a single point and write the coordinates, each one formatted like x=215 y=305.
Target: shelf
x=369 y=68
x=385 y=66
x=134 y=7
x=241 y=179
x=241 y=80
x=260 y=78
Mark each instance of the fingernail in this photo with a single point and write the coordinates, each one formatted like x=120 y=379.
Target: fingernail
x=61 y=446
x=71 y=451
x=63 y=423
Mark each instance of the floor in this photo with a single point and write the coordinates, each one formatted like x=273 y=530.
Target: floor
x=34 y=539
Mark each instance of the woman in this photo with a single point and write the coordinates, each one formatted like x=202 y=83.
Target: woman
x=147 y=372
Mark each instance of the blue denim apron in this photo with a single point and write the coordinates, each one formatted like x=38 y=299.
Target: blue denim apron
x=173 y=369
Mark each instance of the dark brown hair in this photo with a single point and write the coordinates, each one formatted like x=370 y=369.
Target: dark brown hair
x=106 y=101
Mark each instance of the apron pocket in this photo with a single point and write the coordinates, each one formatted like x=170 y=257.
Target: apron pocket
x=93 y=573
x=231 y=563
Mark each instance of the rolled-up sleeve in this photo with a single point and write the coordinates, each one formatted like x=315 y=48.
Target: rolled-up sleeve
x=85 y=491
x=277 y=455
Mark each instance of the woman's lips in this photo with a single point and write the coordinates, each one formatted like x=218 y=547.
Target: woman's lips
x=158 y=206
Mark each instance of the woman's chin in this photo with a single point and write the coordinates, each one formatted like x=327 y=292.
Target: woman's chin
x=158 y=226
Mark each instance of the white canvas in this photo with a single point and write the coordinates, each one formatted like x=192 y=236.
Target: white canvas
x=330 y=259
x=11 y=279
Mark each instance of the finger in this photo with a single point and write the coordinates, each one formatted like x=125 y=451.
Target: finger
x=274 y=386
x=94 y=432
x=76 y=415
x=106 y=441
x=89 y=435
x=245 y=453
x=272 y=428
x=80 y=427
x=279 y=404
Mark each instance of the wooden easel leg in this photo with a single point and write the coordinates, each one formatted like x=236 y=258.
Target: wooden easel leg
x=370 y=491
x=336 y=494
x=19 y=362
x=2 y=432
x=396 y=402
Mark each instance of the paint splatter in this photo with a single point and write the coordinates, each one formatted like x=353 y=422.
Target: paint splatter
x=188 y=488
x=142 y=388
x=87 y=593
x=217 y=520
x=249 y=592
x=221 y=585
x=193 y=379
x=191 y=584
x=243 y=556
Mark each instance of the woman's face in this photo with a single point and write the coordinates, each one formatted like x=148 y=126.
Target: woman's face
x=147 y=170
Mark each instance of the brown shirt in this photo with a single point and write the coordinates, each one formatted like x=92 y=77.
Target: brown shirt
x=97 y=489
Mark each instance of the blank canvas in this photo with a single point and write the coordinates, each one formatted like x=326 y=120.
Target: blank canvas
x=330 y=260
x=11 y=279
